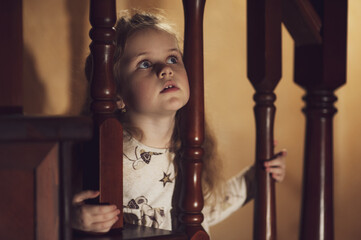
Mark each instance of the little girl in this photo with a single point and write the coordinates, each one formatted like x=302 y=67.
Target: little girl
x=152 y=89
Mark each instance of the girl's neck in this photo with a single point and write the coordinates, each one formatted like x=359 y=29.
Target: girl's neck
x=156 y=131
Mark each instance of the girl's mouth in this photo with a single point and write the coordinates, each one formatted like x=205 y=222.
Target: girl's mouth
x=169 y=88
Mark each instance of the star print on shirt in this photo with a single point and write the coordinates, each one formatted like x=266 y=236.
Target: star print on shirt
x=166 y=179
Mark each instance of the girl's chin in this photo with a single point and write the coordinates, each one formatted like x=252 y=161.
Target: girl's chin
x=174 y=106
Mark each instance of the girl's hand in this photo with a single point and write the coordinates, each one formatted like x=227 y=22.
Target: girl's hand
x=277 y=166
x=92 y=218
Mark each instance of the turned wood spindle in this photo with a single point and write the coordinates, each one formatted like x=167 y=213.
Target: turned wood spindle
x=107 y=129
x=191 y=202
x=264 y=72
x=320 y=68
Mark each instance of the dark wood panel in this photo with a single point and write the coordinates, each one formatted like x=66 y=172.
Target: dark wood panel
x=17 y=218
x=23 y=155
x=111 y=164
x=17 y=128
x=47 y=195
x=11 y=59
x=36 y=179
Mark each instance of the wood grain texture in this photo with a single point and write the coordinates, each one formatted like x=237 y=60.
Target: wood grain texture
x=320 y=68
x=108 y=133
x=17 y=205
x=28 y=128
x=317 y=199
x=191 y=198
x=264 y=73
x=47 y=195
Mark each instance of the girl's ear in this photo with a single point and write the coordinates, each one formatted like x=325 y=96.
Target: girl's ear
x=120 y=102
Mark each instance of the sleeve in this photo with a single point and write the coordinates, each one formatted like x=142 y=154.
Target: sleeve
x=237 y=191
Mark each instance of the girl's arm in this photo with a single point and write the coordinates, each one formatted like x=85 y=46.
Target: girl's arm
x=92 y=218
x=240 y=189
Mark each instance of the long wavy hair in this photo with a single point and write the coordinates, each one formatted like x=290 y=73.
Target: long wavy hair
x=128 y=23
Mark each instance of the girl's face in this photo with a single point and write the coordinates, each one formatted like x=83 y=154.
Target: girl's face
x=155 y=77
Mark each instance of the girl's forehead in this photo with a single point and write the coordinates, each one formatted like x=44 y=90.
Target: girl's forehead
x=149 y=40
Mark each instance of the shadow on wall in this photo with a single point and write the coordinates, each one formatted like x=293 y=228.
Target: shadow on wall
x=33 y=87
x=78 y=11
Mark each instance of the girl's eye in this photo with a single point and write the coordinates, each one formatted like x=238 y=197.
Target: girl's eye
x=172 y=60
x=144 y=64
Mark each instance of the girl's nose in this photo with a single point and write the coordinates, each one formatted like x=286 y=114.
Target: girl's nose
x=165 y=71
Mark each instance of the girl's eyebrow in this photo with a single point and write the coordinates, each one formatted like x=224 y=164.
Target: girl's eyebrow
x=173 y=50
x=140 y=54
x=135 y=57
x=145 y=53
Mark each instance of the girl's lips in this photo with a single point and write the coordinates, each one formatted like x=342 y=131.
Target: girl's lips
x=169 y=88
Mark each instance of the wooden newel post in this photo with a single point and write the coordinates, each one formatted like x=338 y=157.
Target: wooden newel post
x=107 y=166
x=191 y=202
x=320 y=69
x=264 y=72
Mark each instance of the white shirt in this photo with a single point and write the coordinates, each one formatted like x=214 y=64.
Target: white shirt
x=148 y=185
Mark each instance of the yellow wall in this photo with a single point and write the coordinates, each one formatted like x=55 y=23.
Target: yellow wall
x=56 y=43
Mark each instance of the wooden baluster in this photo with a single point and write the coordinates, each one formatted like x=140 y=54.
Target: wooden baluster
x=107 y=129
x=264 y=72
x=321 y=69
x=191 y=202
x=317 y=204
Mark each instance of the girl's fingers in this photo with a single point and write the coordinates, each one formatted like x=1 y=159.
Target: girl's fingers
x=80 y=197
x=277 y=166
x=95 y=217
x=279 y=161
x=99 y=209
x=277 y=173
x=278 y=177
x=103 y=226
x=275 y=170
x=105 y=216
x=284 y=152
